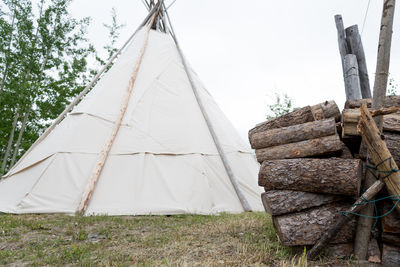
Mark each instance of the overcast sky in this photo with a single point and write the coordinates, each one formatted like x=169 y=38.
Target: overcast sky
x=245 y=51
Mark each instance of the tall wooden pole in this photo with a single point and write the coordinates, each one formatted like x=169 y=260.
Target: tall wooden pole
x=354 y=44
x=228 y=168
x=380 y=85
x=103 y=155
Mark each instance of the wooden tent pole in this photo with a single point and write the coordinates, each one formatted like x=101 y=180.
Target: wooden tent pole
x=381 y=76
x=94 y=177
x=217 y=142
x=87 y=88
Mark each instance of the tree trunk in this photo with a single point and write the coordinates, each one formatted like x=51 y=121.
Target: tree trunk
x=390 y=256
x=10 y=142
x=18 y=143
x=330 y=176
x=8 y=62
x=278 y=202
x=292 y=134
x=25 y=120
x=325 y=110
x=305 y=228
x=355 y=46
x=309 y=148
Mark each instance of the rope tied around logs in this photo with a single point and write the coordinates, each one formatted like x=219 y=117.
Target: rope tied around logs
x=387 y=172
x=394 y=198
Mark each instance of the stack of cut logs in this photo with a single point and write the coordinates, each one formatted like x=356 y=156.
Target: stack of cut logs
x=312 y=168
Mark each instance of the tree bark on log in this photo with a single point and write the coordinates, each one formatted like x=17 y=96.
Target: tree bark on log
x=330 y=110
x=392 y=239
x=293 y=134
x=279 y=202
x=315 y=147
x=351 y=117
x=341 y=221
x=330 y=176
x=303 y=115
x=391 y=122
x=305 y=228
x=393 y=144
x=299 y=116
x=346 y=153
x=390 y=256
x=373 y=251
x=391 y=222
x=339 y=251
x=390 y=101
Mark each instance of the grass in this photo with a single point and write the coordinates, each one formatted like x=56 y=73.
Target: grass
x=247 y=239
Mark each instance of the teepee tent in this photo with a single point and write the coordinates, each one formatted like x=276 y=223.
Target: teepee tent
x=147 y=139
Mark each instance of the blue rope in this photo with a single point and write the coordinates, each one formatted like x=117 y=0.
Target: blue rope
x=394 y=198
x=364 y=202
x=388 y=173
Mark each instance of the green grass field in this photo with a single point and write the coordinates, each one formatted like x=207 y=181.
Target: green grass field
x=247 y=239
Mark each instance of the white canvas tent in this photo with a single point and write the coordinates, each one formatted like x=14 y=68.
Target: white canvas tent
x=147 y=139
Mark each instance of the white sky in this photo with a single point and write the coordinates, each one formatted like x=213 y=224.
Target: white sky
x=245 y=51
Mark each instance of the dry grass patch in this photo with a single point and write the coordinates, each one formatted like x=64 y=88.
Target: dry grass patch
x=247 y=239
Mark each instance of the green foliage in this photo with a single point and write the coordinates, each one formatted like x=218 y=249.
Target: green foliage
x=43 y=65
x=283 y=105
x=392 y=86
x=113 y=36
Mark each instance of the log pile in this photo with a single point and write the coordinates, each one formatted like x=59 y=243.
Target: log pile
x=312 y=166
x=308 y=173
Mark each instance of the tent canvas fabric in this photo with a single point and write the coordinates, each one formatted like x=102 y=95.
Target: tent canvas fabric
x=163 y=160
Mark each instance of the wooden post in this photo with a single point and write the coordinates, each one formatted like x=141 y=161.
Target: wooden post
x=351 y=78
x=349 y=63
x=356 y=48
x=94 y=177
x=379 y=154
x=343 y=48
x=378 y=101
x=339 y=223
x=383 y=61
x=243 y=201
